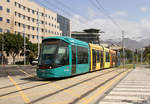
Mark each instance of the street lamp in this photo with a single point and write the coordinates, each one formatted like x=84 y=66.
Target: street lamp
x=38 y=32
x=123 y=45
x=24 y=45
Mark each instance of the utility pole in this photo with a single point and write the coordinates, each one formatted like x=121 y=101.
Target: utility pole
x=141 y=55
x=123 y=45
x=136 y=56
x=24 y=45
x=38 y=32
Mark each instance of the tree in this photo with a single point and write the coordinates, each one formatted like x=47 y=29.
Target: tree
x=128 y=55
x=147 y=54
x=13 y=44
x=32 y=52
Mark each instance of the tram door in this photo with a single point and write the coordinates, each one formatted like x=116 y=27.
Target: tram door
x=73 y=59
x=94 y=59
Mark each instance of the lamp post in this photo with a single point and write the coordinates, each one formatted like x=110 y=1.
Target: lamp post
x=38 y=32
x=24 y=45
x=123 y=45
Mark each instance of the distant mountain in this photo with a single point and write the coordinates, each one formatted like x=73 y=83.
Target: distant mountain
x=129 y=43
x=145 y=42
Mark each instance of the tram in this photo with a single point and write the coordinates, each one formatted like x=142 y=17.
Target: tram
x=64 y=56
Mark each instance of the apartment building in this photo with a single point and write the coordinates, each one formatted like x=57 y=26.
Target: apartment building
x=27 y=17
x=64 y=25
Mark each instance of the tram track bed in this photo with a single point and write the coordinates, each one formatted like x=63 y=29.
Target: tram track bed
x=81 y=89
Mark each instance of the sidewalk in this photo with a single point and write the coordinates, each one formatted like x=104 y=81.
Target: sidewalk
x=133 y=89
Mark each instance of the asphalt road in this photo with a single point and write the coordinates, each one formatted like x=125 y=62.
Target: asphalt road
x=13 y=70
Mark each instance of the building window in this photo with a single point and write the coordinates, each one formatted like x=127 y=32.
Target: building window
x=19 y=24
x=19 y=15
x=28 y=18
x=49 y=17
x=8 y=0
x=49 y=31
x=42 y=14
x=19 y=6
x=29 y=36
x=52 y=18
x=24 y=8
x=33 y=28
x=1 y=8
x=32 y=19
x=42 y=22
x=7 y=30
x=1 y=18
x=24 y=26
x=28 y=27
x=49 y=24
x=1 y=30
x=15 y=13
x=37 y=37
x=8 y=10
x=15 y=3
x=28 y=9
x=8 y=20
x=15 y=23
x=23 y=16
x=33 y=11
x=42 y=30
x=32 y=36
x=46 y=23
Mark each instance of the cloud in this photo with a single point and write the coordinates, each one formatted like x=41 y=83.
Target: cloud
x=144 y=9
x=120 y=13
x=133 y=29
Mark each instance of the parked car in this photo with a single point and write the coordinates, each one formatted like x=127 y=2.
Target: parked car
x=35 y=62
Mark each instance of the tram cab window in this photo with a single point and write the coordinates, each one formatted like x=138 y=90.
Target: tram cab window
x=54 y=52
x=82 y=55
x=107 y=57
x=62 y=57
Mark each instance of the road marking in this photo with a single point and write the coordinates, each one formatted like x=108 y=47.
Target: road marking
x=67 y=91
x=105 y=87
x=29 y=75
x=65 y=102
x=25 y=98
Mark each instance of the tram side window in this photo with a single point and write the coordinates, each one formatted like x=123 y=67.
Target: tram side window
x=102 y=56
x=82 y=54
x=73 y=54
x=94 y=57
x=107 y=57
x=63 y=54
x=98 y=56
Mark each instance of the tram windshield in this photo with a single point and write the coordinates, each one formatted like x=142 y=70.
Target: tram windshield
x=54 y=53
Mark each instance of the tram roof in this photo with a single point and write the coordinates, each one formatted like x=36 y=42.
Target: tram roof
x=68 y=40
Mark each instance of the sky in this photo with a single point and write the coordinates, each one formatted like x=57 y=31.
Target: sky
x=110 y=16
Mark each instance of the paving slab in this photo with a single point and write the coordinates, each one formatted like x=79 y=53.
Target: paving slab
x=133 y=89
